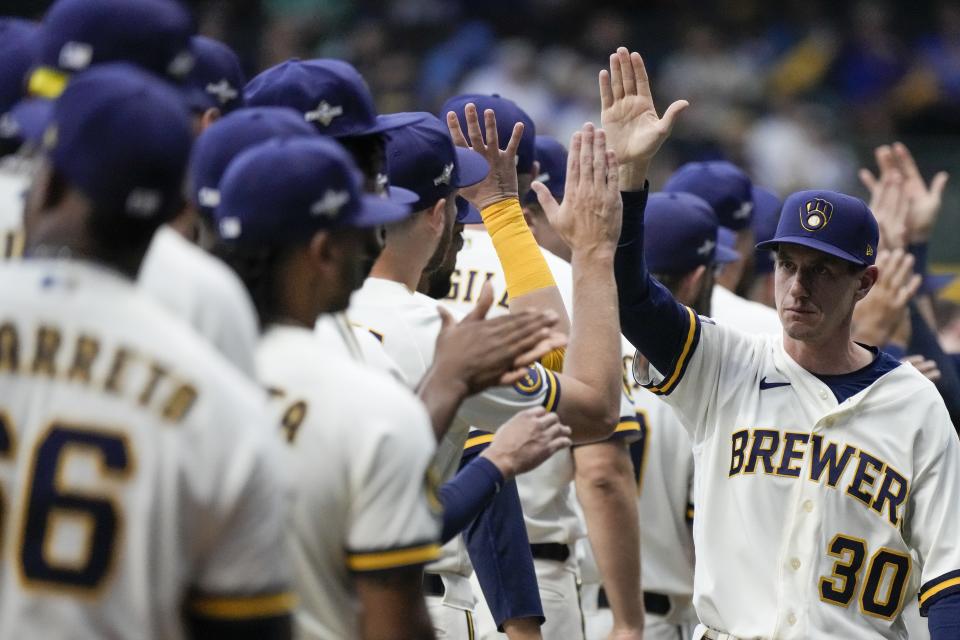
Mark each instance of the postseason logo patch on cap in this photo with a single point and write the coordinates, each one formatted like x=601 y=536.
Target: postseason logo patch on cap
x=324 y=113
x=816 y=215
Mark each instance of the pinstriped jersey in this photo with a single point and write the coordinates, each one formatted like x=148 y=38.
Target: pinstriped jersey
x=364 y=496
x=837 y=511
x=136 y=473
x=546 y=492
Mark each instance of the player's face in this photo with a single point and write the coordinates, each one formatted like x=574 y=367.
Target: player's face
x=815 y=293
x=436 y=281
x=358 y=249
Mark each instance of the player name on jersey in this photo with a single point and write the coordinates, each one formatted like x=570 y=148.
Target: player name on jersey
x=80 y=359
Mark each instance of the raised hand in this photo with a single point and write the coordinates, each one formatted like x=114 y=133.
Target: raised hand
x=525 y=441
x=877 y=317
x=592 y=211
x=890 y=205
x=928 y=368
x=501 y=182
x=924 y=200
x=628 y=115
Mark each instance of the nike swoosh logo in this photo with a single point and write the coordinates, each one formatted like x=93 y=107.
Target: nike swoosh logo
x=771 y=385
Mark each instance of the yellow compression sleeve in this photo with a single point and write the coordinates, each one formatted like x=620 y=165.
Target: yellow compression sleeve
x=524 y=266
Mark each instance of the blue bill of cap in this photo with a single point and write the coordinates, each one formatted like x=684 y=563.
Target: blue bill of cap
x=399 y=195
x=467 y=213
x=819 y=245
x=30 y=118
x=390 y=122
x=375 y=211
x=471 y=167
x=725 y=255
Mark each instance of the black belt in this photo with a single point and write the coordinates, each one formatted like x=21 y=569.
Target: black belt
x=655 y=603
x=433 y=585
x=550 y=551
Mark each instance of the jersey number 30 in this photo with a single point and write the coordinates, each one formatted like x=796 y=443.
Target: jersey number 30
x=886 y=577
x=84 y=561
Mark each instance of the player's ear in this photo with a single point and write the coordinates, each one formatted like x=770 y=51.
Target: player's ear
x=868 y=278
x=437 y=216
x=321 y=249
x=691 y=284
x=209 y=116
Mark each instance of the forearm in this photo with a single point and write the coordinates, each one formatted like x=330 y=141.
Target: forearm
x=607 y=493
x=593 y=353
x=650 y=318
x=924 y=342
x=466 y=495
x=392 y=605
x=530 y=283
x=500 y=553
x=442 y=396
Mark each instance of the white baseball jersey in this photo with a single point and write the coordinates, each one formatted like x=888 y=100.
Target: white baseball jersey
x=203 y=291
x=546 y=492
x=748 y=316
x=814 y=518
x=663 y=460
x=137 y=472
x=334 y=331
x=365 y=495
x=15 y=175
x=408 y=323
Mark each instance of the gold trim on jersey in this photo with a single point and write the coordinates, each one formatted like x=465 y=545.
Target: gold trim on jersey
x=667 y=385
x=932 y=591
x=260 y=606
x=478 y=440
x=553 y=391
x=379 y=560
x=627 y=424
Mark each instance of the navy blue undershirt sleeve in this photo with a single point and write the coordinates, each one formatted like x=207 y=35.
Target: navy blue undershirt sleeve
x=923 y=341
x=943 y=618
x=467 y=494
x=650 y=318
x=499 y=550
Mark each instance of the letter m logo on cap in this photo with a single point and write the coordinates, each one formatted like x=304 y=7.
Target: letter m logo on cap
x=815 y=214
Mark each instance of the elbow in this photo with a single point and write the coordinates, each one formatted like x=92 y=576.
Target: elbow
x=595 y=426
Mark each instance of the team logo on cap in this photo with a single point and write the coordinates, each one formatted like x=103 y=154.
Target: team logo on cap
x=75 y=56
x=543 y=177
x=143 y=203
x=209 y=197
x=324 y=113
x=181 y=64
x=330 y=204
x=222 y=91
x=444 y=177
x=815 y=214
x=230 y=228
x=705 y=249
x=744 y=211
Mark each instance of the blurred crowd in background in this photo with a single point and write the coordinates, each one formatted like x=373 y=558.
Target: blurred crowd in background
x=797 y=91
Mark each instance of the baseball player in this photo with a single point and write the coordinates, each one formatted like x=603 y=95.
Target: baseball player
x=366 y=520
x=826 y=471
x=139 y=494
x=602 y=471
x=728 y=191
x=679 y=226
x=184 y=277
x=215 y=83
x=408 y=324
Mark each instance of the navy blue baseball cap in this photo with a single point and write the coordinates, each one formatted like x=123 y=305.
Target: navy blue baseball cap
x=122 y=137
x=766 y=215
x=229 y=136
x=835 y=223
x=283 y=190
x=421 y=157
x=78 y=34
x=680 y=234
x=331 y=95
x=552 y=156
x=722 y=185
x=216 y=80
x=508 y=114
x=17 y=53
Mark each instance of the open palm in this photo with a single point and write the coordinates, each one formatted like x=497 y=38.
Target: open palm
x=628 y=115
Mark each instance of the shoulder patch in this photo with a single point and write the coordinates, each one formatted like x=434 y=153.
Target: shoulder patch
x=531 y=384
